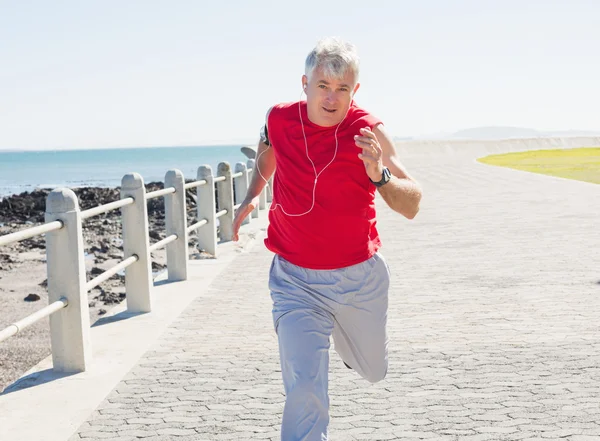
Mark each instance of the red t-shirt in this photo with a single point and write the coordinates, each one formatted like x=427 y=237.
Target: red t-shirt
x=339 y=230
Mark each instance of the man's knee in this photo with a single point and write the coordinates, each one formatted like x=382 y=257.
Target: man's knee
x=375 y=374
x=308 y=391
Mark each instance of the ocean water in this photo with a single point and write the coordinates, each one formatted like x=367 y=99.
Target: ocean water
x=26 y=171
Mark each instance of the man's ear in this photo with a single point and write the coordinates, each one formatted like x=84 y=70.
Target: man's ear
x=355 y=89
x=304 y=82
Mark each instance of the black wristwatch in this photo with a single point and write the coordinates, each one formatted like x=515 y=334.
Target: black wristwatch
x=385 y=178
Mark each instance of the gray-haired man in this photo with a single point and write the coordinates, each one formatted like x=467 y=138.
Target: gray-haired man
x=327 y=278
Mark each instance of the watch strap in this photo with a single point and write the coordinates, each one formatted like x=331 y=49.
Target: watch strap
x=386 y=175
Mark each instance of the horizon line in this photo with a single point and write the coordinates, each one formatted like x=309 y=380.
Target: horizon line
x=49 y=149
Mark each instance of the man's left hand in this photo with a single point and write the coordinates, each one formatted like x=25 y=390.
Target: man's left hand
x=371 y=153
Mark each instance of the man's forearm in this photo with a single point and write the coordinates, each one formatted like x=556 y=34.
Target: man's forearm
x=256 y=186
x=264 y=167
x=402 y=196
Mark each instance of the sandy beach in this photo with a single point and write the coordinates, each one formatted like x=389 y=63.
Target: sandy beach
x=23 y=267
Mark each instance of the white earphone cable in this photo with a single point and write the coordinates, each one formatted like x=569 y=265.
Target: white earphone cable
x=275 y=205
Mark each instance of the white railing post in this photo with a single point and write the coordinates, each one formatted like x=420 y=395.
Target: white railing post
x=270 y=190
x=176 y=223
x=262 y=198
x=207 y=235
x=138 y=276
x=241 y=186
x=70 y=326
x=225 y=192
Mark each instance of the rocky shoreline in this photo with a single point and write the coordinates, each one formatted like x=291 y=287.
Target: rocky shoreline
x=102 y=233
x=23 y=279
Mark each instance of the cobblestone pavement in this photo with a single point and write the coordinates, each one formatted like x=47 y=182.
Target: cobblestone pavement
x=494 y=329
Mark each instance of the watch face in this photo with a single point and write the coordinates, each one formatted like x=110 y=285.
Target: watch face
x=386 y=175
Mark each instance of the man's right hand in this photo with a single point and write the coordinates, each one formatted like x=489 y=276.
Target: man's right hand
x=244 y=210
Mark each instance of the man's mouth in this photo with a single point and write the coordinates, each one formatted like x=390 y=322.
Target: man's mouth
x=328 y=110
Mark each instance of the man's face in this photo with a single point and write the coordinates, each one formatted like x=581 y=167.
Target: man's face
x=328 y=99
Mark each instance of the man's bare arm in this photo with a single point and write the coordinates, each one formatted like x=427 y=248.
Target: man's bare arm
x=265 y=166
x=403 y=193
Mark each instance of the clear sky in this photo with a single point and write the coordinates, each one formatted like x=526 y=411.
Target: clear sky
x=88 y=74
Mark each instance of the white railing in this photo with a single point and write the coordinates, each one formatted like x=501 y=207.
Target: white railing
x=67 y=283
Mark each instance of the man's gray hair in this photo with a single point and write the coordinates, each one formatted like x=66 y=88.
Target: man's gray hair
x=334 y=56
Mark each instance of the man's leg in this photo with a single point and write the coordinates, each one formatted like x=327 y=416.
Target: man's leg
x=304 y=355
x=303 y=327
x=359 y=334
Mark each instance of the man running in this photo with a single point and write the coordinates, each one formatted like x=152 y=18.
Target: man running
x=327 y=278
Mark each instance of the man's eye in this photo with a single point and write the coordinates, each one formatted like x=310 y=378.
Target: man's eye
x=343 y=89
x=322 y=86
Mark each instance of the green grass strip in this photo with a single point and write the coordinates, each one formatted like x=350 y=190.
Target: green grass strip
x=582 y=164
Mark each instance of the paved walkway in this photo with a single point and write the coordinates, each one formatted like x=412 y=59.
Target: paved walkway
x=494 y=325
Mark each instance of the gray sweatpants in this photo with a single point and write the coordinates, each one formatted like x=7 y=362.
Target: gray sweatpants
x=309 y=306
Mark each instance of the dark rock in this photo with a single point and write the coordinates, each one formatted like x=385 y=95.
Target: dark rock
x=102 y=312
x=7 y=258
x=102 y=233
x=34 y=242
x=44 y=284
x=8 y=261
x=27 y=206
x=96 y=271
x=31 y=206
x=117 y=242
x=109 y=297
x=155 y=235
x=94 y=249
x=32 y=298
x=157 y=266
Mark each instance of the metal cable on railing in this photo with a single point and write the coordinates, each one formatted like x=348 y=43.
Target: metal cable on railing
x=159 y=193
x=17 y=327
x=111 y=272
x=195 y=184
x=197 y=225
x=161 y=244
x=30 y=232
x=106 y=208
